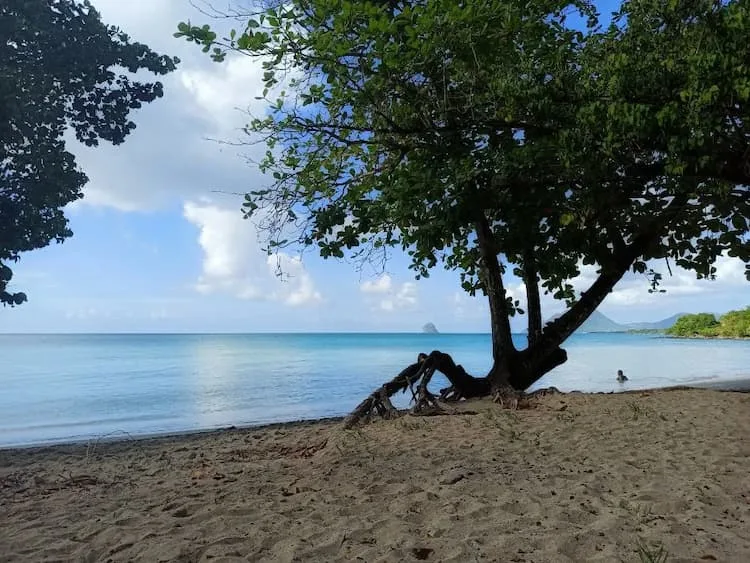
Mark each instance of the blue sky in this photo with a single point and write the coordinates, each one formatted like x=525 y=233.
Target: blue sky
x=156 y=249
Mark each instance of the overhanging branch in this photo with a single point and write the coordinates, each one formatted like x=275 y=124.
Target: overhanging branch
x=556 y=332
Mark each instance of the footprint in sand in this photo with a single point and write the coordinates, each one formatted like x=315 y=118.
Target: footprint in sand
x=181 y=512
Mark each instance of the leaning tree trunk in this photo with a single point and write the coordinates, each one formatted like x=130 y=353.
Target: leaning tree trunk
x=513 y=372
x=503 y=349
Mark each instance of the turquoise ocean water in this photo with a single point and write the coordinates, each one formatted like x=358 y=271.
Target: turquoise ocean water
x=59 y=388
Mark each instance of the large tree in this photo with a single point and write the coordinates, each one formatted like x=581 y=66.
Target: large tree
x=494 y=136
x=60 y=68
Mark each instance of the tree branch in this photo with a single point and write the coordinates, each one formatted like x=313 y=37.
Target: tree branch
x=556 y=332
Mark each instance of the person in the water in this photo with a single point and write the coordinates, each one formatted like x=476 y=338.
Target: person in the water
x=621 y=376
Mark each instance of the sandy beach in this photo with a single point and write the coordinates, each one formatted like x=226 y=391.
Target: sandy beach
x=576 y=478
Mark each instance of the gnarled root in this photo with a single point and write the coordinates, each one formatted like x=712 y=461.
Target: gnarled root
x=506 y=396
x=450 y=394
x=385 y=407
x=379 y=403
x=426 y=402
x=544 y=392
x=463 y=386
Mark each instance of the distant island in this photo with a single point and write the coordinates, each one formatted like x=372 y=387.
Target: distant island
x=430 y=328
x=734 y=324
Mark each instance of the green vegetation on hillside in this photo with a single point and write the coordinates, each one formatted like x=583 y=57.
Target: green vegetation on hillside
x=734 y=324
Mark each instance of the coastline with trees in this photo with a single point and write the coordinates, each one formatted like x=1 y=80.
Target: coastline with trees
x=733 y=324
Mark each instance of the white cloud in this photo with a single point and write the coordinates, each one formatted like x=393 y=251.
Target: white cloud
x=301 y=289
x=404 y=298
x=731 y=271
x=380 y=285
x=234 y=264
x=390 y=296
x=84 y=313
x=222 y=93
x=170 y=157
x=467 y=307
x=633 y=288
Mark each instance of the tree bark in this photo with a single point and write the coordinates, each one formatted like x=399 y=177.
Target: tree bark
x=533 y=304
x=502 y=341
x=379 y=400
x=535 y=362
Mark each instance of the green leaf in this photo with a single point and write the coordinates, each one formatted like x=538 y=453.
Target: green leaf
x=566 y=219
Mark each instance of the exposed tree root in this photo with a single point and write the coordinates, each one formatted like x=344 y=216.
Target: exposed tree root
x=378 y=402
x=463 y=386
x=505 y=395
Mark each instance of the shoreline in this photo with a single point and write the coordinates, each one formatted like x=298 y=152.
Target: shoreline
x=662 y=333
x=125 y=438
x=741 y=385
x=578 y=477
x=703 y=337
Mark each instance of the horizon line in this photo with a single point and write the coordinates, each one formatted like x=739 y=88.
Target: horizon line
x=280 y=332
x=222 y=333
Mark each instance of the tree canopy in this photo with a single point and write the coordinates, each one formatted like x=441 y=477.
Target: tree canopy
x=60 y=68
x=497 y=136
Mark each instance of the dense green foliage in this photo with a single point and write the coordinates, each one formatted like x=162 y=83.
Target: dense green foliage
x=699 y=324
x=60 y=67
x=492 y=135
x=734 y=324
x=646 y=331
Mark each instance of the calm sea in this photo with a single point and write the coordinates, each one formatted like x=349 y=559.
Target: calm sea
x=58 y=388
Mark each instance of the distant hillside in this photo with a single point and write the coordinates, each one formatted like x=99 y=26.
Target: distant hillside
x=430 y=328
x=658 y=325
x=599 y=322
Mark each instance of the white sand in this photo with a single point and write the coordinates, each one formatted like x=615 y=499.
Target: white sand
x=578 y=478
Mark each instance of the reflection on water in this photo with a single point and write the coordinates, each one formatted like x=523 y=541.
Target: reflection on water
x=58 y=388
x=214 y=379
